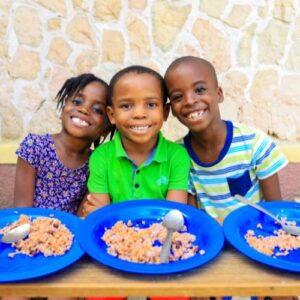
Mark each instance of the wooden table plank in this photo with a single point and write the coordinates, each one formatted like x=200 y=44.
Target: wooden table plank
x=229 y=274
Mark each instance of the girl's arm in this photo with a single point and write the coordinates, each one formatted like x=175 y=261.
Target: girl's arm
x=91 y=202
x=177 y=196
x=270 y=188
x=24 y=184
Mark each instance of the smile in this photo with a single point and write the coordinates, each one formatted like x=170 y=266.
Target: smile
x=196 y=115
x=140 y=129
x=79 y=122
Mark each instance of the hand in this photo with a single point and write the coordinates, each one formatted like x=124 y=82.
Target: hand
x=88 y=205
x=92 y=202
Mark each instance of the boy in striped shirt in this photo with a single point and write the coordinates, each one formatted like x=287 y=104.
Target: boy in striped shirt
x=227 y=158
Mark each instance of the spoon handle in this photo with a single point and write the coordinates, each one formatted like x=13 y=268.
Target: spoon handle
x=165 y=250
x=258 y=207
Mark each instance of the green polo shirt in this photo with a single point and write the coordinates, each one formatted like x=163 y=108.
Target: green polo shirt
x=113 y=173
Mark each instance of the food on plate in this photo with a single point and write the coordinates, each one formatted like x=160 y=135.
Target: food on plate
x=278 y=244
x=47 y=236
x=143 y=245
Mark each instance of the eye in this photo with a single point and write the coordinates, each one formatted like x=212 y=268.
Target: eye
x=175 y=97
x=125 y=106
x=200 y=90
x=152 y=105
x=98 y=109
x=77 y=101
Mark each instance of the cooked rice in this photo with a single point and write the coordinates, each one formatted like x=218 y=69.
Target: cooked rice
x=135 y=244
x=47 y=236
x=279 y=244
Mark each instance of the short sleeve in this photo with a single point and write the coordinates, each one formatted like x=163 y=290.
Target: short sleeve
x=191 y=188
x=180 y=168
x=98 y=181
x=30 y=149
x=267 y=157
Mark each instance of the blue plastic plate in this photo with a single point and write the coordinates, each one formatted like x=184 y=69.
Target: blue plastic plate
x=23 y=267
x=239 y=221
x=143 y=213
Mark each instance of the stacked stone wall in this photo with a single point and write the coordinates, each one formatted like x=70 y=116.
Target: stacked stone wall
x=254 y=45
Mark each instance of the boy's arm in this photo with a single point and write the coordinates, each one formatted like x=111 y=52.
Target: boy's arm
x=180 y=166
x=91 y=202
x=270 y=188
x=192 y=200
x=24 y=184
x=268 y=161
x=177 y=196
x=97 y=185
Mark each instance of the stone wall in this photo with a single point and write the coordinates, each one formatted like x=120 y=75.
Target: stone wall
x=254 y=44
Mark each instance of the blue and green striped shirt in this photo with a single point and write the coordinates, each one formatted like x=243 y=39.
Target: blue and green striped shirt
x=248 y=156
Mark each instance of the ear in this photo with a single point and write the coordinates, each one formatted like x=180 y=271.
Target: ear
x=107 y=129
x=172 y=110
x=220 y=94
x=110 y=114
x=166 y=111
x=61 y=111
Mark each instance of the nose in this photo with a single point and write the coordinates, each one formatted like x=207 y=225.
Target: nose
x=84 y=110
x=190 y=98
x=139 y=112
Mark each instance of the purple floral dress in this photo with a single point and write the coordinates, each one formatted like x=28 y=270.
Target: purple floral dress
x=56 y=186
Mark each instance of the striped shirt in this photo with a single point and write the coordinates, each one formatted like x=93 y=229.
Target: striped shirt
x=248 y=156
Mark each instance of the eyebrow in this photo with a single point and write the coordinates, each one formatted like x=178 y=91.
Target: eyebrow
x=80 y=94
x=122 y=99
x=200 y=81
x=100 y=103
x=194 y=83
x=145 y=99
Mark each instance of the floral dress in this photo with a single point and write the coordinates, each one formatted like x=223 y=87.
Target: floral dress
x=56 y=186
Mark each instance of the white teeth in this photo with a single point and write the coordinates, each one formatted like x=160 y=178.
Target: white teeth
x=80 y=122
x=195 y=115
x=139 y=128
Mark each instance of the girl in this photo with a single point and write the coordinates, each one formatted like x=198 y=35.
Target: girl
x=139 y=163
x=52 y=170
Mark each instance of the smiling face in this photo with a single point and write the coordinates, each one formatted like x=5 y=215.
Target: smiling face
x=194 y=95
x=137 y=109
x=84 y=114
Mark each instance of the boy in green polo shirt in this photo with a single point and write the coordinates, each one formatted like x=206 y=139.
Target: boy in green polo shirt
x=139 y=163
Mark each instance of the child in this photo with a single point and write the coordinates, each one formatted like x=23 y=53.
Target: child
x=227 y=158
x=139 y=163
x=52 y=170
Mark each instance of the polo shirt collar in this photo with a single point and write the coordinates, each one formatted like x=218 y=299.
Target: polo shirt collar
x=160 y=153
x=120 y=151
x=161 y=150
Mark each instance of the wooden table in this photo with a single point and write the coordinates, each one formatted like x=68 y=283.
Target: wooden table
x=229 y=274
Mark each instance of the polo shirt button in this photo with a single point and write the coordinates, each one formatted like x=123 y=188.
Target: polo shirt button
x=136 y=185
x=137 y=172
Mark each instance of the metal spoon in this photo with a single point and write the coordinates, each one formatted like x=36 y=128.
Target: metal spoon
x=173 y=221
x=16 y=234
x=294 y=230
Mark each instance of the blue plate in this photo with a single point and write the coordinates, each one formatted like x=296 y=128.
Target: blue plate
x=239 y=221
x=23 y=267
x=208 y=232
